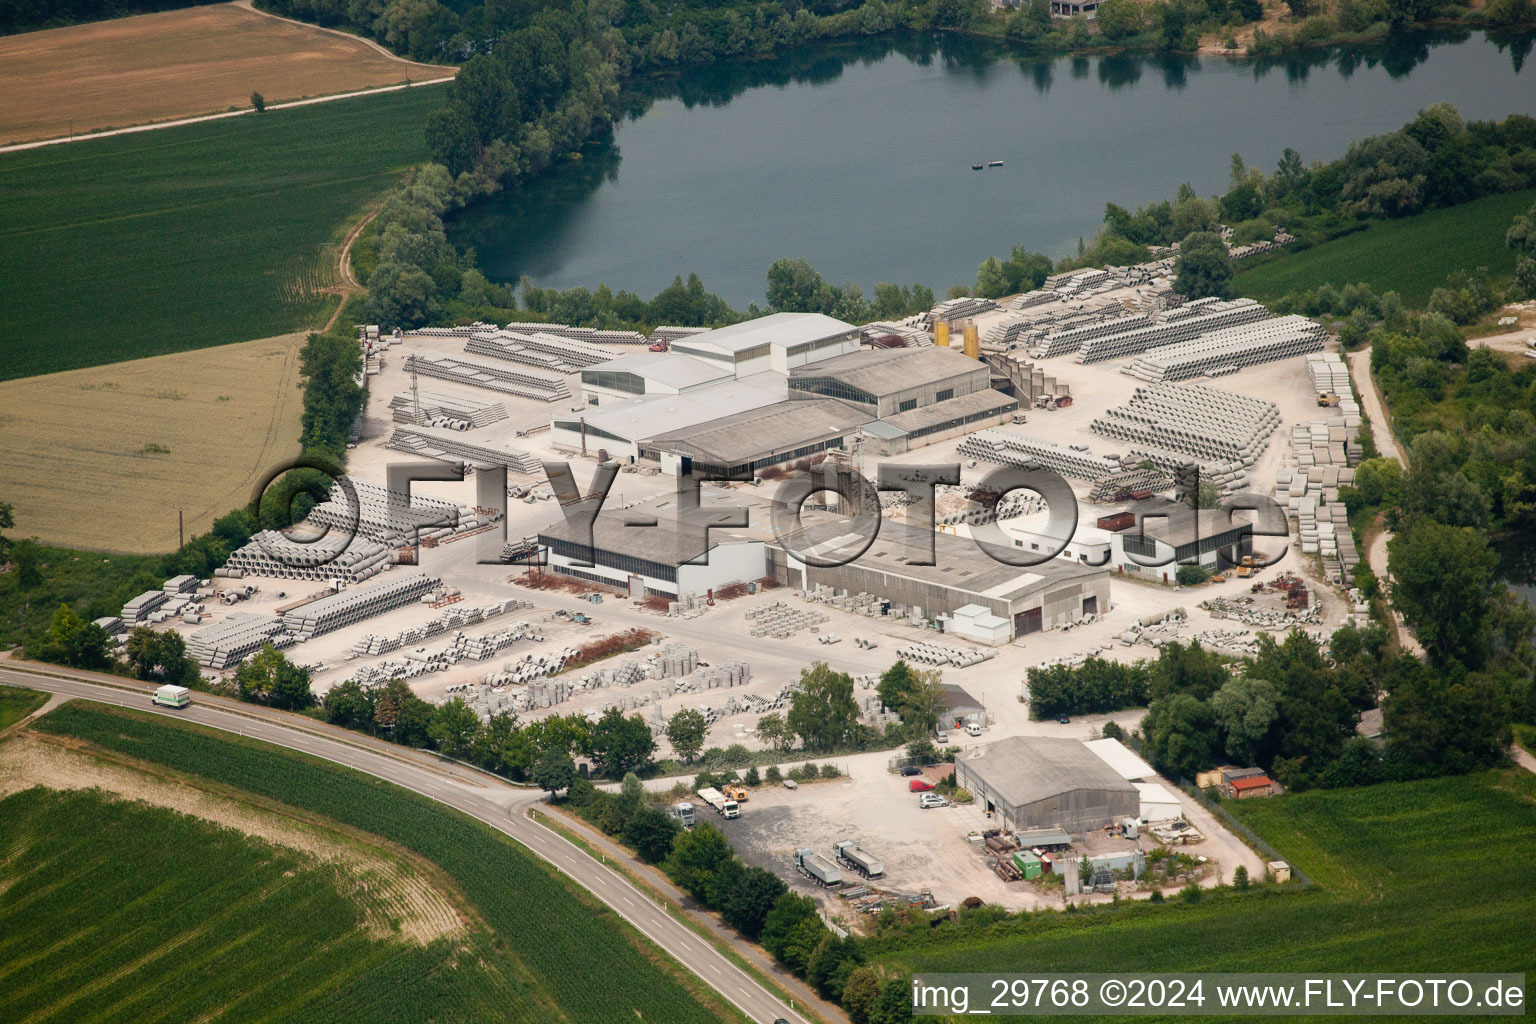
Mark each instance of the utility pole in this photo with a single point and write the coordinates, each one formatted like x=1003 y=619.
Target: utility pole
x=180 y=538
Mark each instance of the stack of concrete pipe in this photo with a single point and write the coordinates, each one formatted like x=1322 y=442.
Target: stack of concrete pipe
x=1233 y=347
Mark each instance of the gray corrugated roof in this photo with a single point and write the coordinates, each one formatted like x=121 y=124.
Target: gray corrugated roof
x=884 y=371
x=654 y=414
x=758 y=433
x=673 y=370
x=777 y=328
x=976 y=402
x=1026 y=769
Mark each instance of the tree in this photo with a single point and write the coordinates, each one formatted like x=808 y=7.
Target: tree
x=1119 y=19
x=862 y=989
x=1247 y=709
x=1442 y=583
x=651 y=832
x=161 y=656
x=1444 y=721
x=1204 y=267
x=894 y=684
x=747 y=901
x=554 y=771
x=259 y=102
x=991 y=280
x=620 y=744
x=696 y=855
x=267 y=677
x=7 y=522
x=1186 y=668
x=348 y=705
x=451 y=138
x=453 y=727
x=792 y=931
x=770 y=729
x=401 y=295
x=823 y=712
x=685 y=731
x=72 y=641
x=794 y=286
x=28 y=557
x=1182 y=734
x=1240 y=878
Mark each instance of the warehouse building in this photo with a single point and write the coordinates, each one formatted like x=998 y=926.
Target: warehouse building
x=1029 y=598
x=1166 y=541
x=648 y=373
x=778 y=342
x=743 y=443
x=665 y=560
x=960 y=709
x=619 y=427
x=1032 y=782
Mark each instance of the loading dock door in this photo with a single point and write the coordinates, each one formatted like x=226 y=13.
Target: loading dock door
x=1091 y=605
x=1028 y=622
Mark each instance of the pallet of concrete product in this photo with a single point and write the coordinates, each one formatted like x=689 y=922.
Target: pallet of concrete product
x=441 y=403
x=1011 y=448
x=226 y=643
x=1246 y=345
x=537 y=348
x=349 y=607
x=1204 y=422
x=432 y=444
x=500 y=377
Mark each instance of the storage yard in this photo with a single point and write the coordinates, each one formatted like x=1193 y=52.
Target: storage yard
x=528 y=614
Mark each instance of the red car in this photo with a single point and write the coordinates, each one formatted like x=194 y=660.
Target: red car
x=919 y=786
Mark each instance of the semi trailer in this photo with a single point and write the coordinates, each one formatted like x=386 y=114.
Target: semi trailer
x=851 y=856
x=817 y=868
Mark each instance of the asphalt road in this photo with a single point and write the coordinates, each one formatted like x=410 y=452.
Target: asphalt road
x=501 y=806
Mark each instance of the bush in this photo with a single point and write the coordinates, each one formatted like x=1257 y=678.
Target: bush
x=1191 y=575
x=736 y=755
x=773 y=775
x=1191 y=893
x=752 y=778
x=829 y=771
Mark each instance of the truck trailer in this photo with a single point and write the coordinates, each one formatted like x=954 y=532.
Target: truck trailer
x=817 y=868
x=850 y=856
x=723 y=805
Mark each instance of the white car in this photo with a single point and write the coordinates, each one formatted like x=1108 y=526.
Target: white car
x=973 y=729
x=927 y=800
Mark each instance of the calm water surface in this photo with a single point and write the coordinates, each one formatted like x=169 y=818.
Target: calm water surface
x=858 y=156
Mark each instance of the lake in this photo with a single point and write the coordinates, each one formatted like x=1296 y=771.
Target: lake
x=858 y=156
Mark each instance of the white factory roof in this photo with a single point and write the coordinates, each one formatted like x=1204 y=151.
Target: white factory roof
x=1120 y=757
x=781 y=329
x=672 y=370
x=659 y=414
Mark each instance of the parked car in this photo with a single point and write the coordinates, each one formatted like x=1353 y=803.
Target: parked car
x=941 y=737
x=973 y=729
x=911 y=769
x=1064 y=720
x=928 y=800
x=919 y=786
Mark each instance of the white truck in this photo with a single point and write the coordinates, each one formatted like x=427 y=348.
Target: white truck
x=865 y=863
x=172 y=697
x=817 y=868
x=724 y=805
x=683 y=812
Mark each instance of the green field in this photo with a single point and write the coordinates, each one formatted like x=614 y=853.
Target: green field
x=1411 y=256
x=17 y=703
x=1432 y=875
x=545 y=952
x=184 y=238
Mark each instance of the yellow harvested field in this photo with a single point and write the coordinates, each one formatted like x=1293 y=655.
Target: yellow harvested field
x=161 y=67
x=101 y=458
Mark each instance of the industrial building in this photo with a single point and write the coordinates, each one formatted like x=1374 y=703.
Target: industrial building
x=742 y=443
x=648 y=373
x=1029 y=598
x=778 y=342
x=1032 y=782
x=1171 y=536
x=960 y=708
x=667 y=559
x=619 y=427
x=891 y=381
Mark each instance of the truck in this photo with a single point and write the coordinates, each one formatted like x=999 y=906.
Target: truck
x=683 y=812
x=172 y=697
x=817 y=868
x=851 y=856
x=723 y=805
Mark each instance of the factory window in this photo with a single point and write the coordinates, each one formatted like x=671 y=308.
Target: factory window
x=831 y=387
x=755 y=352
x=959 y=422
x=615 y=380
x=944 y=395
x=609 y=559
x=907 y=405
